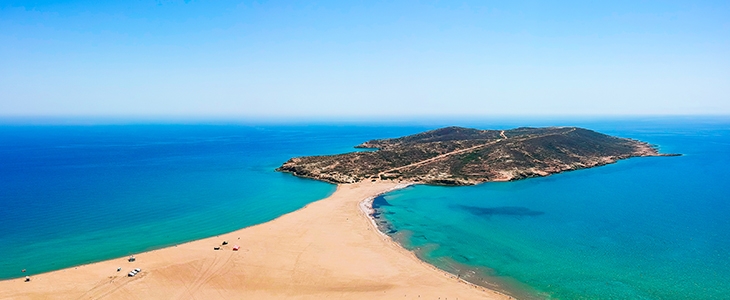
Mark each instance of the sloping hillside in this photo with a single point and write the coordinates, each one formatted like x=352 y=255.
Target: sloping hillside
x=464 y=156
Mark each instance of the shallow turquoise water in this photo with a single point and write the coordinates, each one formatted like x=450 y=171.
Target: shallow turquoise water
x=644 y=228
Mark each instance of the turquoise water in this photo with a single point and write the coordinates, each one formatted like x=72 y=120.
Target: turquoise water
x=644 y=228
x=71 y=195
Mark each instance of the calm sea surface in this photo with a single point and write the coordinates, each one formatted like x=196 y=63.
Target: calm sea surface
x=71 y=195
x=644 y=228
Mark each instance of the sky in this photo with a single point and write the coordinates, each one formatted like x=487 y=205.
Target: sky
x=287 y=59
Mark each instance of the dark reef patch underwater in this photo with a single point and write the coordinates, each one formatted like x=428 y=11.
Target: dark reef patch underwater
x=500 y=211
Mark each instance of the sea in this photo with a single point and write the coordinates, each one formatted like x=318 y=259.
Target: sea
x=643 y=228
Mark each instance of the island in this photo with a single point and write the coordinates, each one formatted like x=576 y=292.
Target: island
x=467 y=156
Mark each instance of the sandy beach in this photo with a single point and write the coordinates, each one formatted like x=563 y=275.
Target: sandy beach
x=329 y=249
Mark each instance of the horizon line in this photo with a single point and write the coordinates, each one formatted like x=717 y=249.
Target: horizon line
x=373 y=119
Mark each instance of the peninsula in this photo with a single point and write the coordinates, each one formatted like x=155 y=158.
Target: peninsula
x=332 y=248
x=466 y=156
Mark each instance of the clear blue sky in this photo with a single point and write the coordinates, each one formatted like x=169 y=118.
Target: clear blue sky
x=363 y=58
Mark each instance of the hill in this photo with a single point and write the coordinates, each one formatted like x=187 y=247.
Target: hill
x=465 y=156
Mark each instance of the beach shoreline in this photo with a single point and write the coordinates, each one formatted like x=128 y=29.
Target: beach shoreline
x=368 y=210
x=321 y=250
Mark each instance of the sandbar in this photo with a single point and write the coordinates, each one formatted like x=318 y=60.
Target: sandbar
x=328 y=249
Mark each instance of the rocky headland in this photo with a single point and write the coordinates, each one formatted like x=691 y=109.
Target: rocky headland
x=466 y=156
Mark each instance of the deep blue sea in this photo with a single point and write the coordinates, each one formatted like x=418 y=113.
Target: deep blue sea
x=644 y=228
